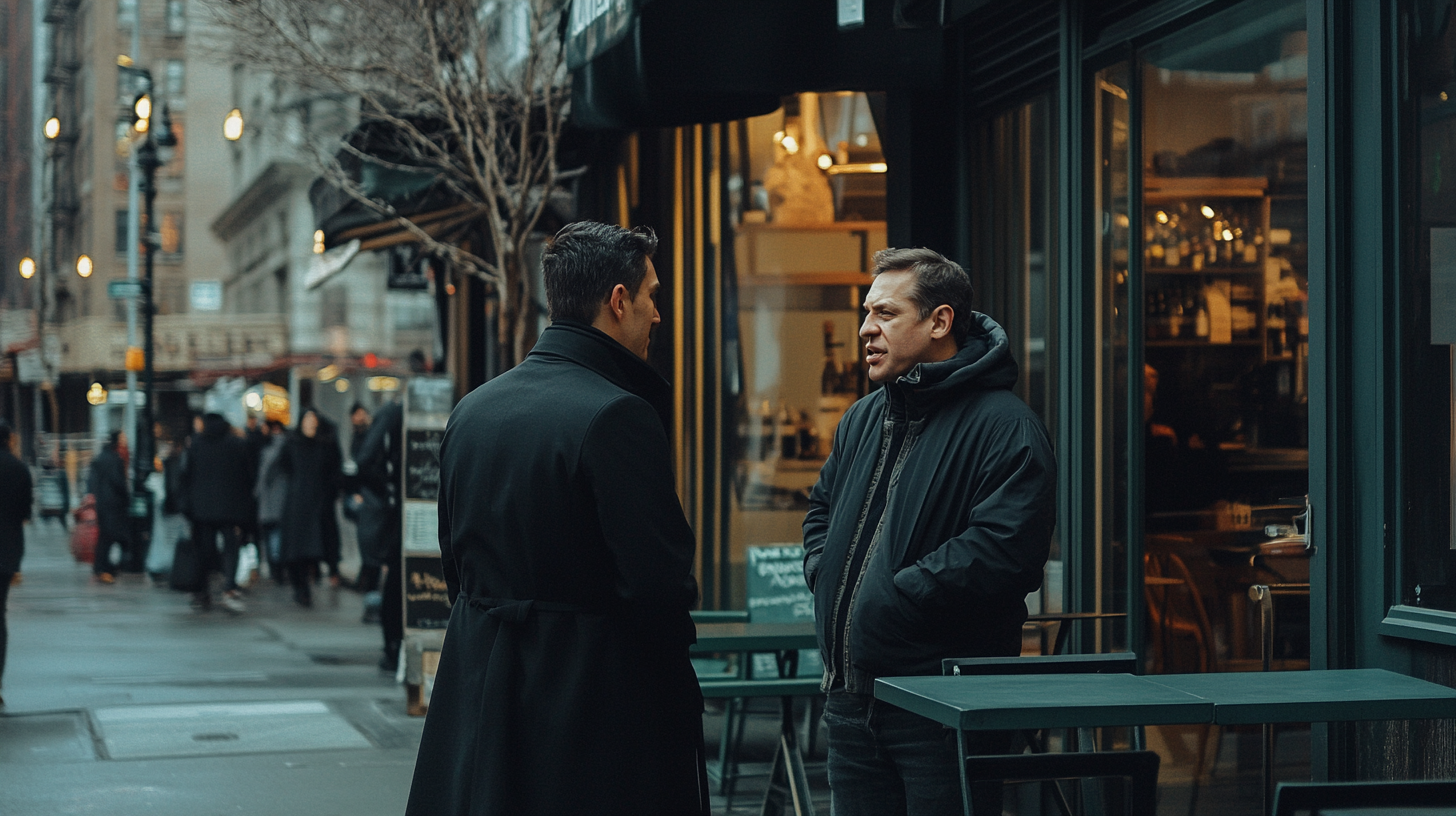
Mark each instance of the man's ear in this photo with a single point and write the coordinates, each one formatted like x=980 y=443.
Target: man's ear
x=941 y=321
x=617 y=301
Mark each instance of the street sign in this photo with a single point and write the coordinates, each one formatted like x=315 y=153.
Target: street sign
x=124 y=289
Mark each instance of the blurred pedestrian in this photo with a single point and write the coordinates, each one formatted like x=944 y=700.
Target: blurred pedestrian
x=107 y=483
x=565 y=685
x=15 y=502
x=311 y=459
x=367 y=502
x=217 y=480
x=271 y=493
x=378 y=459
x=168 y=523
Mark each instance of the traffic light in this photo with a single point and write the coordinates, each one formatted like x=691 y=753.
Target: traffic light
x=141 y=113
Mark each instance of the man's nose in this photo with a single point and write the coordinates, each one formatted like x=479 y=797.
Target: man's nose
x=656 y=317
x=867 y=328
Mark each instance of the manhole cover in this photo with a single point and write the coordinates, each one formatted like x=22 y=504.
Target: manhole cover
x=144 y=732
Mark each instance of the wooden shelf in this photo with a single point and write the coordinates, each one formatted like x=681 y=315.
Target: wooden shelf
x=1208 y=271
x=1194 y=343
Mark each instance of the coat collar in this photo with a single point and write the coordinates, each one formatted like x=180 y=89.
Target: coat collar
x=592 y=348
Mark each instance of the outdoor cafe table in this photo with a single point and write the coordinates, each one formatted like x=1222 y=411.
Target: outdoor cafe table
x=784 y=640
x=1017 y=702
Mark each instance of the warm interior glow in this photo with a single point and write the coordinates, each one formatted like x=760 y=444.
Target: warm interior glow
x=84 y=266
x=27 y=268
x=1161 y=217
x=1207 y=211
x=341 y=385
x=52 y=128
x=825 y=161
x=96 y=394
x=143 y=108
x=791 y=144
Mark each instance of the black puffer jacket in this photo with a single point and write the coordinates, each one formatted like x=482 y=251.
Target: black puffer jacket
x=217 y=475
x=967 y=523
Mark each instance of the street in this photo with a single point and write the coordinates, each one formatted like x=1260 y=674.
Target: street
x=122 y=700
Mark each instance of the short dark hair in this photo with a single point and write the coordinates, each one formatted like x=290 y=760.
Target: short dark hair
x=587 y=260
x=5 y=432
x=939 y=281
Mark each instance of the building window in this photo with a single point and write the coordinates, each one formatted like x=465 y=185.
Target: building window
x=334 y=307
x=171 y=233
x=121 y=230
x=176 y=78
x=126 y=13
x=176 y=17
x=1428 y=381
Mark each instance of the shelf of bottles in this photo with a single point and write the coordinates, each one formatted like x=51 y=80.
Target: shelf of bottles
x=1204 y=253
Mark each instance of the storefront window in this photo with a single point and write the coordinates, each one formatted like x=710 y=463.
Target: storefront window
x=807 y=204
x=1221 y=281
x=1428 y=552
x=1013 y=262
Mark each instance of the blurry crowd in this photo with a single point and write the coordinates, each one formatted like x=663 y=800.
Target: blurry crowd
x=232 y=505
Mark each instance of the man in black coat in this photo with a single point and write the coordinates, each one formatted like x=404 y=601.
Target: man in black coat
x=217 y=481
x=15 y=501
x=930 y=523
x=564 y=686
x=107 y=483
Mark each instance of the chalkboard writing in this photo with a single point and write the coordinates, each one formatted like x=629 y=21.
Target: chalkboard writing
x=426 y=599
x=422 y=463
x=777 y=593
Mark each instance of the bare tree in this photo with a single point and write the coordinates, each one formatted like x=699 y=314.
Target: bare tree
x=469 y=94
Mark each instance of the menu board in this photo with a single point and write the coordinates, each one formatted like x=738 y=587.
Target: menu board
x=422 y=463
x=426 y=600
x=777 y=593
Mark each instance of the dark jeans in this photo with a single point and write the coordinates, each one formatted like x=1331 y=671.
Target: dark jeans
x=101 y=562
x=204 y=535
x=885 y=761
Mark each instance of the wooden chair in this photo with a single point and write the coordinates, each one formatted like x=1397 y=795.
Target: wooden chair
x=1314 y=798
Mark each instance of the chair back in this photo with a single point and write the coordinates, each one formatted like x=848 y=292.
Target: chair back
x=1139 y=768
x=1109 y=663
x=1316 y=797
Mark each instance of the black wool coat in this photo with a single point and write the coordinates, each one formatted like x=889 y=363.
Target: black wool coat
x=564 y=686
x=310 y=528
x=15 y=501
x=107 y=482
x=966 y=529
x=217 y=476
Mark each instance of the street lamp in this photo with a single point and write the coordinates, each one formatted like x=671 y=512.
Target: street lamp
x=148 y=159
x=232 y=126
x=84 y=266
x=27 y=268
x=52 y=128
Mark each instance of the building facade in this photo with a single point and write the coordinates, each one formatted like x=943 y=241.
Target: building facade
x=1216 y=233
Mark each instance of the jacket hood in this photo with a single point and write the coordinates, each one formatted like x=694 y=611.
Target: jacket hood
x=214 y=425
x=984 y=362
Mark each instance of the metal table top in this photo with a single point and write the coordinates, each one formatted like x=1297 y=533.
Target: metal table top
x=755 y=637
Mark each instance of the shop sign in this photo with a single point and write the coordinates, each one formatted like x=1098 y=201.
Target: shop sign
x=29 y=366
x=17 y=329
x=206 y=296
x=595 y=26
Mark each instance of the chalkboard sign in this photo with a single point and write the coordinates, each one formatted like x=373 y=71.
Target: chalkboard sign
x=422 y=463
x=777 y=593
x=427 y=601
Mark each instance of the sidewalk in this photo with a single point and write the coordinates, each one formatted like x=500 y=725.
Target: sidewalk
x=122 y=700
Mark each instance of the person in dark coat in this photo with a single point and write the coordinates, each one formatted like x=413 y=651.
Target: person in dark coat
x=564 y=686
x=930 y=523
x=15 y=502
x=217 y=479
x=311 y=460
x=107 y=483
x=271 y=494
x=378 y=456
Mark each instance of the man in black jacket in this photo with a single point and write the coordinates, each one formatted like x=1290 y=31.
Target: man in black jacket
x=217 y=481
x=929 y=524
x=107 y=484
x=565 y=685
x=15 y=501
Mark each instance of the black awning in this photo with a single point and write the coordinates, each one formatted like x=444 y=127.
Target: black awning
x=653 y=63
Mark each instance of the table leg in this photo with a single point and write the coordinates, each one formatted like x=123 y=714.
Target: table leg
x=788 y=778
x=961 y=768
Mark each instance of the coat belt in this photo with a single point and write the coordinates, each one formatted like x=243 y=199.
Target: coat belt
x=508 y=610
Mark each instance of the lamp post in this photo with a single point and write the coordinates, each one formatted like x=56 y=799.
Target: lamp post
x=148 y=159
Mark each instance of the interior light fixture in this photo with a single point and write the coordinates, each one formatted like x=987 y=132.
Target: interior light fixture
x=27 y=268
x=232 y=126
x=52 y=128
x=84 y=267
x=826 y=161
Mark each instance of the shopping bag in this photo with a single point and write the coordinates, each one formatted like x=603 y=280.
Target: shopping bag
x=86 y=532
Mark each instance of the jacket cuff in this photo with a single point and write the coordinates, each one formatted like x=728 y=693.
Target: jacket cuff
x=917 y=584
x=811 y=570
